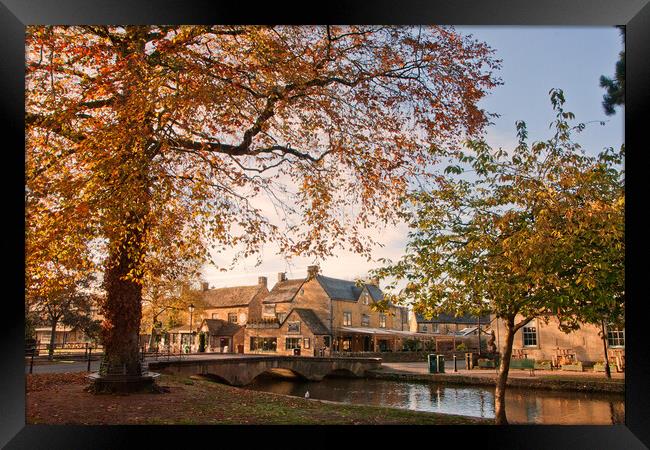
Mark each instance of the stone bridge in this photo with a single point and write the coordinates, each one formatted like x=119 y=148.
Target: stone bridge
x=241 y=370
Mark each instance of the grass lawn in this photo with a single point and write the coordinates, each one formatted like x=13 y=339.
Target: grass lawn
x=61 y=399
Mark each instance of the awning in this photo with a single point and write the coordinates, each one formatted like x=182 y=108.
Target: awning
x=382 y=332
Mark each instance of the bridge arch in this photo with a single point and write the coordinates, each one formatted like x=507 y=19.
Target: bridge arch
x=342 y=372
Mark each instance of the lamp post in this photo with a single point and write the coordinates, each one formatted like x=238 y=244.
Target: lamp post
x=191 y=308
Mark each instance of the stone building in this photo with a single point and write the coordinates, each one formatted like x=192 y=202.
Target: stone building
x=447 y=323
x=222 y=336
x=330 y=314
x=235 y=304
x=546 y=342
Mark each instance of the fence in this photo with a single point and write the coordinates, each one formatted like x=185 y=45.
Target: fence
x=67 y=349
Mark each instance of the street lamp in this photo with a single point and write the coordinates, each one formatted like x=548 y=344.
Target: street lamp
x=191 y=308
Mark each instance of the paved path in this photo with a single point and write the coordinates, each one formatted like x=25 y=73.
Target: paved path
x=68 y=366
x=422 y=367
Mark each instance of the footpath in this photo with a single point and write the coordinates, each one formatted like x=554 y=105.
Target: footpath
x=519 y=378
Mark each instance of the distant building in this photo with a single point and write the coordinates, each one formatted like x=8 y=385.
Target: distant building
x=448 y=324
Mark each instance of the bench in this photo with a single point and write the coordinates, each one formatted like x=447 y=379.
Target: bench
x=523 y=363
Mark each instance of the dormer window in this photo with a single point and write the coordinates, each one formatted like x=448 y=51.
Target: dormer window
x=365 y=298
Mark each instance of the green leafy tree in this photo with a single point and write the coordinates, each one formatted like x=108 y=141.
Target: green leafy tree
x=615 y=86
x=533 y=232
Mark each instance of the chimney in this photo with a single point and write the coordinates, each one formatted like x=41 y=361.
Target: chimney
x=262 y=281
x=312 y=271
x=282 y=276
x=204 y=286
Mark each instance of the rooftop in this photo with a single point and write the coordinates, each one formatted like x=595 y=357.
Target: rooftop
x=451 y=318
x=231 y=296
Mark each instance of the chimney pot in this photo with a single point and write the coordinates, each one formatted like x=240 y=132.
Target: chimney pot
x=282 y=276
x=262 y=281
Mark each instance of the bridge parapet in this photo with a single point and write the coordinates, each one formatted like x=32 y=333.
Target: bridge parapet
x=239 y=371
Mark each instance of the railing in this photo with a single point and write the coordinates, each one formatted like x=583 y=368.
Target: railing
x=66 y=348
x=82 y=351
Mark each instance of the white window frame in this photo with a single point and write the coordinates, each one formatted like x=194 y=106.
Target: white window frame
x=525 y=334
x=347 y=318
x=619 y=336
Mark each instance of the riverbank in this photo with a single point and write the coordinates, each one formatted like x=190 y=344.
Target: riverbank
x=61 y=399
x=546 y=380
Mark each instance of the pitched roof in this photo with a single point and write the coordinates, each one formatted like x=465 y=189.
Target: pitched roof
x=231 y=296
x=284 y=291
x=218 y=327
x=375 y=292
x=450 y=318
x=340 y=289
x=309 y=317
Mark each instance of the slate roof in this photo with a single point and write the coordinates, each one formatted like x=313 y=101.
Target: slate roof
x=375 y=292
x=340 y=289
x=231 y=296
x=309 y=317
x=450 y=318
x=284 y=291
x=218 y=327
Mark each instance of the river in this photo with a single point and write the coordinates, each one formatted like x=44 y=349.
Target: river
x=522 y=406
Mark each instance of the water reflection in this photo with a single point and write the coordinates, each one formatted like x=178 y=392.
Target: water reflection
x=523 y=406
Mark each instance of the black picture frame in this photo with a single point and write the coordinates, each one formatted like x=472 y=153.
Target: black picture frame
x=16 y=14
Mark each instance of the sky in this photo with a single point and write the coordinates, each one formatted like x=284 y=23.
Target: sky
x=534 y=61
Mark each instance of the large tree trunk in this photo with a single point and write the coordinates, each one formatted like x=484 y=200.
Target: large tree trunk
x=608 y=372
x=50 y=351
x=122 y=307
x=502 y=377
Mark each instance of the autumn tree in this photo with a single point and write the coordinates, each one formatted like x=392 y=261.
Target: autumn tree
x=528 y=233
x=169 y=297
x=70 y=305
x=174 y=138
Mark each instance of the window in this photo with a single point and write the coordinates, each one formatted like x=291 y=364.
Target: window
x=347 y=318
x=365 y=320
x=232 y=317
x=615 y=337
x=365 y=298
x=434 y=327
x=382 y=320
x=307 y=343
x=347 y=344
x=292 y=343
x=293 y=327
x=530 y=334
x=423 y=328
x=281 y=317
x=326 y=341
x=264 y=344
